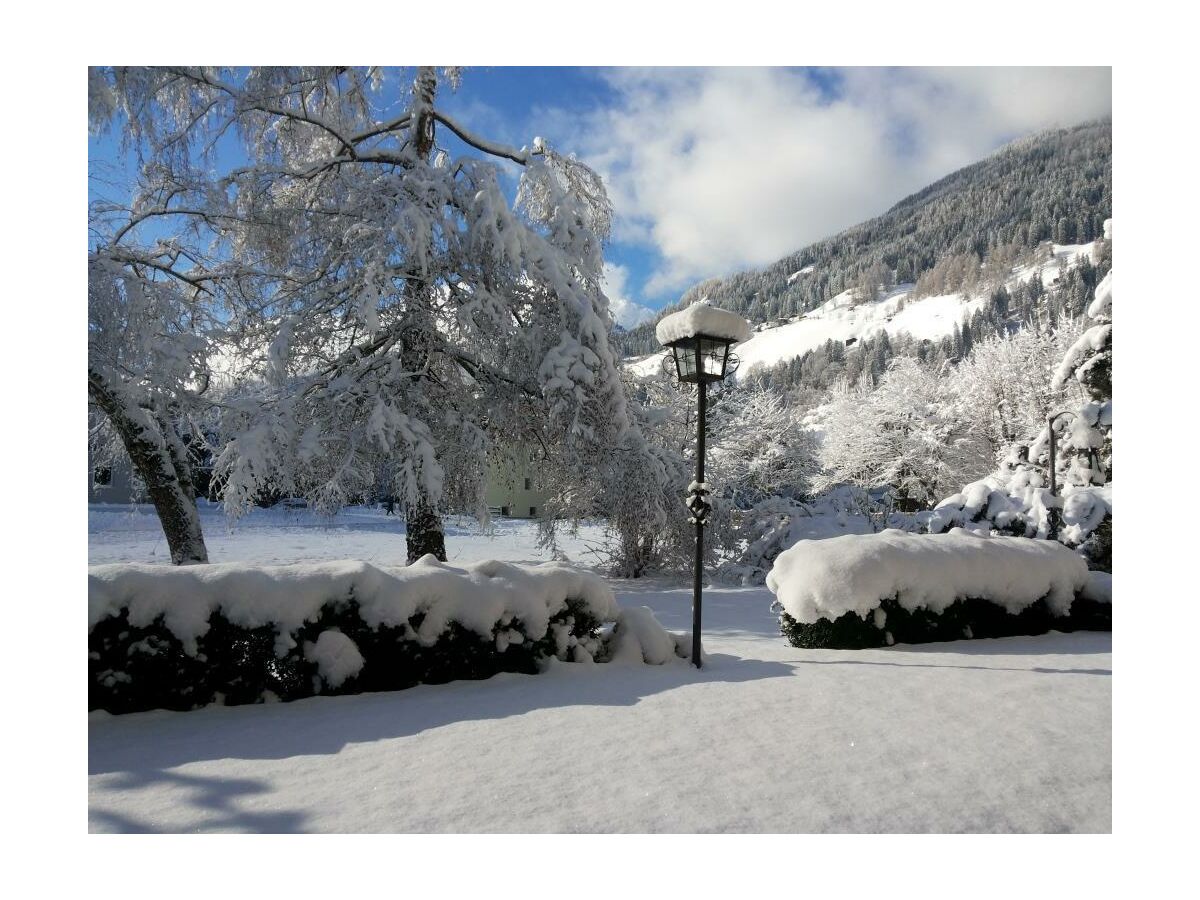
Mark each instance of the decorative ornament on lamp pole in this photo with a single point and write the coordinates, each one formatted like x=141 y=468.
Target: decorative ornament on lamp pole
x=699 y=339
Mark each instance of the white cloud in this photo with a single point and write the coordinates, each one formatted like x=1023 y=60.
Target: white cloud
x=616 y=288
x=724 y=168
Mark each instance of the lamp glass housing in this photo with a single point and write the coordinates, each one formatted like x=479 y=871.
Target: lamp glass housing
x=700 y=358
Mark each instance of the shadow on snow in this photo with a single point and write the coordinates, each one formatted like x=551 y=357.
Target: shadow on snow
x=141 y=745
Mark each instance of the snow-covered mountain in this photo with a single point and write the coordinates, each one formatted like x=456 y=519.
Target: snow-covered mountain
x=1051 y=187
x=844 y=319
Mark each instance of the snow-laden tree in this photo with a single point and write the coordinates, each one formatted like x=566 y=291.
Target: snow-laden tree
x=759 y=448
x=905 y=433
x=757 y=451
x=636 y=486
x=1016 y=497
x=1004 y=384
x=398 y=312
x=147 y=367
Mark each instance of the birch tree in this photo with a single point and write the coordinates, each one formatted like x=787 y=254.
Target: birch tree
x=147 y=367
x=389 y=300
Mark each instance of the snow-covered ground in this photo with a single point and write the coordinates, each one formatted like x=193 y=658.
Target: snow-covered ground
x=997 y=735
x=276 y=536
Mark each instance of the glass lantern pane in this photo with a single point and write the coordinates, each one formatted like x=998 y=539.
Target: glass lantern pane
x=685 y=360
x=713 y=356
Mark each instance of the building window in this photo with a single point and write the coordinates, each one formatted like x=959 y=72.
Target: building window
x=533 y=512
x=504 y=510
x=102 y=477
x=528 y=483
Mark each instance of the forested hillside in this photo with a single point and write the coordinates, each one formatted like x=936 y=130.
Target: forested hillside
x=1055 y=186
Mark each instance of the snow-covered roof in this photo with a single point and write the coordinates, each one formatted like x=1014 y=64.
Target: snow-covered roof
x=700 y=318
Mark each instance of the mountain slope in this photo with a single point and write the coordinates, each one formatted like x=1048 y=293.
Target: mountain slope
x=1054 y=186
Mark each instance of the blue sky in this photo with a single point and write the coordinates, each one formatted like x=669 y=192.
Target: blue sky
x=720 y=169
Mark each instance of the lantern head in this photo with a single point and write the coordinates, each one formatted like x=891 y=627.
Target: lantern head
x=700 y=358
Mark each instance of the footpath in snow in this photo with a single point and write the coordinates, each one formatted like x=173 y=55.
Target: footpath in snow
x=998 y=735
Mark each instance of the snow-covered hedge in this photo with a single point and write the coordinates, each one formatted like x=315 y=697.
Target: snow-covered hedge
x=878 y=589
x=184 y=637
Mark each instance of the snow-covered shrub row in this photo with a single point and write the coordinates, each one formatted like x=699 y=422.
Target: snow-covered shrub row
x=180 y=638
x=893 y=586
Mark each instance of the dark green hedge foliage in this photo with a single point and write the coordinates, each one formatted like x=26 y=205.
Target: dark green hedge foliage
x=963 y=619
x=134 y=669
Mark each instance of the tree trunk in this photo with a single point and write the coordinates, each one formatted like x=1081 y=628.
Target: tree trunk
x=161 y=460
x=423 y=91
x=423 y=527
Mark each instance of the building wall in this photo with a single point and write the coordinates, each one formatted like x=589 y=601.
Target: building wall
x=120 y=488
x=512 y=488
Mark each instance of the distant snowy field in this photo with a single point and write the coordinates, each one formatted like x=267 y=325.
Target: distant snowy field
x=841 y=318
x=998 y=735
x=120 y=533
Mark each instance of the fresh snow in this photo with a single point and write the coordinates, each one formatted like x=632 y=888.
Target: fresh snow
x=336 y=655
x=1101 y=305
x=989 y=735
x=480 y=597
x=857 y=572
x=700 y=318
x=645 y=366
x=1099 y=587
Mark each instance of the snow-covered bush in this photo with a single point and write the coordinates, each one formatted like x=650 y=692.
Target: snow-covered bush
x=877 y=589
x=769 y=528
x=180 y=638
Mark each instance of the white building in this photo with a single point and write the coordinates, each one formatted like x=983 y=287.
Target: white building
x=513 y=489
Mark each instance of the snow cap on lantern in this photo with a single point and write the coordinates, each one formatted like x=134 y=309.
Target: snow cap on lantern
x=702 y=319
x=699 y=338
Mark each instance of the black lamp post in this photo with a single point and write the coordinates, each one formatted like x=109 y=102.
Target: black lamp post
x=700 y=359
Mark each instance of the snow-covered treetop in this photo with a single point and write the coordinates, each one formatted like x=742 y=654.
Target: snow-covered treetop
x=1101 y=306
x=700 y=318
